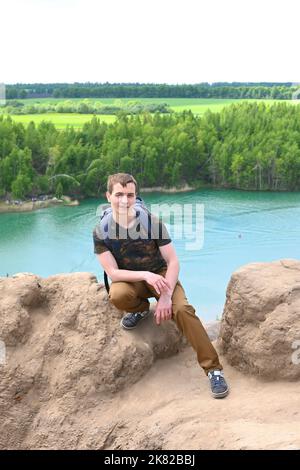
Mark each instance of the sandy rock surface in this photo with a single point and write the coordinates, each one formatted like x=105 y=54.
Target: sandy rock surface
x=260 y=330
x=73 y=379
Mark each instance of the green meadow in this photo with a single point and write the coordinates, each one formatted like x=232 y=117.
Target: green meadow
x=61 y=121
x=197 y=105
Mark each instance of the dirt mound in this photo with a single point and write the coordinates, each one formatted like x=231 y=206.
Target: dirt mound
x=73 y=379
x=260 y=330
x=65 y=353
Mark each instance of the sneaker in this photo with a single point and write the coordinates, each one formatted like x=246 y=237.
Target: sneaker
x=131 y=320
x=219 y=387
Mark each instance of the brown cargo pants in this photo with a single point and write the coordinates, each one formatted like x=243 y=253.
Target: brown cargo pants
x=133 y=297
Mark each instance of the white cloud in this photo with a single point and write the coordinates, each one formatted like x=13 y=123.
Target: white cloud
x=148 y=41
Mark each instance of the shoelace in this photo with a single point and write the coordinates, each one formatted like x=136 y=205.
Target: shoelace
x=132 y=317
x=141 y=314
x=217 y=381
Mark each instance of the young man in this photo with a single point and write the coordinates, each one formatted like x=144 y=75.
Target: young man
x=141 y=265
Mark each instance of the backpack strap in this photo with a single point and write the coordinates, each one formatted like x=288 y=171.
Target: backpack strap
x=102 y=229
x=106 y=282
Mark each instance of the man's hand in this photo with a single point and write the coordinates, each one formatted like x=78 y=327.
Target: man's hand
x=159 y=283
x=163 y=309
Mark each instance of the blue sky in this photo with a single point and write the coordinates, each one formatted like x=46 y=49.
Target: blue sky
x=162 y=41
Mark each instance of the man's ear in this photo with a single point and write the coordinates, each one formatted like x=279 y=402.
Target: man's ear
x=108 y=196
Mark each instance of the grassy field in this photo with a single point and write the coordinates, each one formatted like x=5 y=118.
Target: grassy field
x=61 y=121
x=197 y=105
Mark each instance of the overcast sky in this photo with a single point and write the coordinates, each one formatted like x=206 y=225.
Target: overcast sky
x=161 y=41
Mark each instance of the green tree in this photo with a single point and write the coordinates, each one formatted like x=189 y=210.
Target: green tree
x=126 y=164
x=21 y=186
x=59 y=190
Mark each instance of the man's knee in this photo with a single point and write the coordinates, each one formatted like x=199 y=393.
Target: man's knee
x=121 y=295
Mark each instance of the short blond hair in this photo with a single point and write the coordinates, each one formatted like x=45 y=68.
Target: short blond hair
x=123 y=179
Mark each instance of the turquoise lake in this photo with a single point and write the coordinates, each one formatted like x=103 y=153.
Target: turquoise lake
x=239 y=228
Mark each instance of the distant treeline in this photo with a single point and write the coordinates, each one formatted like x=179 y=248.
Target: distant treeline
x=84 y=107
x=245 y=146
x=140 y=90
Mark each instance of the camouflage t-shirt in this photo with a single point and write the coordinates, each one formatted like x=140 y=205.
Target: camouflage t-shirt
x=134 y=248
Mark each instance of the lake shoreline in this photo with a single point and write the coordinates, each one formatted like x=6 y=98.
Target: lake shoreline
x=29 y=206
x=173 y=189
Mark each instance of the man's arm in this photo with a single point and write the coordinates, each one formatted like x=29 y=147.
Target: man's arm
x=164 y=305
x=169 y=254
x=109 y=264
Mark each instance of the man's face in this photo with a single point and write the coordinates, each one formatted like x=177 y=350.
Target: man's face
x=122 y=198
